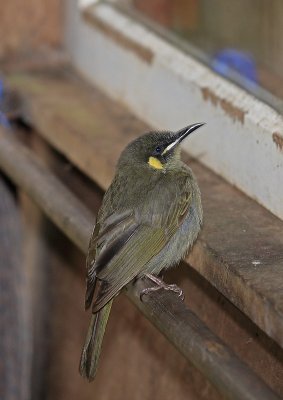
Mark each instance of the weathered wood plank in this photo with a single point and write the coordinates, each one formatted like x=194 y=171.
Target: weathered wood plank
x=240 y=250
x=191 y=337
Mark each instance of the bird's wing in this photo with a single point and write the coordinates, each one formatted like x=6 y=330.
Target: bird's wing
x=103 y=237
x=90 y=261
x=125 y=244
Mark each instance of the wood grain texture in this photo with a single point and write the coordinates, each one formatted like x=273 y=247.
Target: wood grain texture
x=241 y=246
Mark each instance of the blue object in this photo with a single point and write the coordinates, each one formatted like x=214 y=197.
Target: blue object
x=3 y=119
x=231 y=62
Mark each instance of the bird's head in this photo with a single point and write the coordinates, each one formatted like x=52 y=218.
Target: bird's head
x=156 y=150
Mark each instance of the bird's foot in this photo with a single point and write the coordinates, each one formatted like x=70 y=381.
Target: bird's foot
x=161 y=285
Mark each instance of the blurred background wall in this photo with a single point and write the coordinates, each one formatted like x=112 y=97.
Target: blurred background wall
x=30 y=24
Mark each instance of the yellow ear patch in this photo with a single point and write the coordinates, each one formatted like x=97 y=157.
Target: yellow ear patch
x=155 y=163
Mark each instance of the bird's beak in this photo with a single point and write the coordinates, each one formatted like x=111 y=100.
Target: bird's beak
x=181 y=135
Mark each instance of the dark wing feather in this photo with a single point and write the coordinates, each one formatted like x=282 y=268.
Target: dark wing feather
x=90 y=261
x=145 y=243
x=106 y=240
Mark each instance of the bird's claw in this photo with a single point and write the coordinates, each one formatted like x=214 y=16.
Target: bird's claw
x=174 y=288
x=162 y=285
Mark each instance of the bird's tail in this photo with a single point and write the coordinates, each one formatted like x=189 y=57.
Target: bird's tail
x=92 y=347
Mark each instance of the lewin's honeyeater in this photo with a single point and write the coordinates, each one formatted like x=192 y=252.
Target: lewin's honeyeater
x=149 y=219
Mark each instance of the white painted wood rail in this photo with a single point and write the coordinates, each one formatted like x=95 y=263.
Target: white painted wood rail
x=243 y=139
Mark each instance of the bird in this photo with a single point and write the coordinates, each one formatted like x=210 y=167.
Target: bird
x=149 y=219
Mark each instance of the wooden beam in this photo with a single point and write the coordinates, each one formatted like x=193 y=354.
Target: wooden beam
x=56 y=201
x=168 y=313
x=241 y=245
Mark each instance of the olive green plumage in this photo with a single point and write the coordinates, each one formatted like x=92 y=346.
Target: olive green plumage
x=150 y=217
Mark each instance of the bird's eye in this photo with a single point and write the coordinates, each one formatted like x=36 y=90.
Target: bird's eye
x=158 y=149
